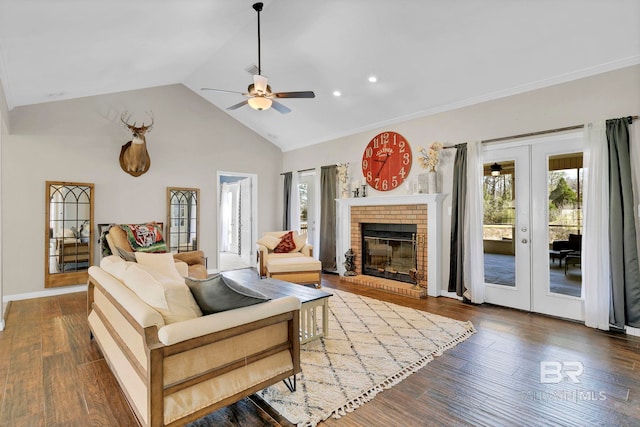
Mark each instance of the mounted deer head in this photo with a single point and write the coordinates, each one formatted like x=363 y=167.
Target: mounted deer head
x=134 y=158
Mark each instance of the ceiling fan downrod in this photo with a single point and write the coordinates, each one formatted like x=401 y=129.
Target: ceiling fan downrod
x=258 y=8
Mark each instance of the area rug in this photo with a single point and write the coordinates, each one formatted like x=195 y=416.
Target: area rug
x=372 y=345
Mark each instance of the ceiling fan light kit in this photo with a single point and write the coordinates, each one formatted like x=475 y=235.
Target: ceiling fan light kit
x=260 y=103
x=259 y=93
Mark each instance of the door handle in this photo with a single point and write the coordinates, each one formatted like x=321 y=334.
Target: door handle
x=525 y=241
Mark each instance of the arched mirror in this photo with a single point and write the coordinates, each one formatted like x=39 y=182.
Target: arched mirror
x=68 y=233
x=183 y=219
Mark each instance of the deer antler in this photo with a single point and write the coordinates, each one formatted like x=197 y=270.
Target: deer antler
x=132 y=127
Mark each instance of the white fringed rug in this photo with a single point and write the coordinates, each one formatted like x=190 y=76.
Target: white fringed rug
x=372 y=345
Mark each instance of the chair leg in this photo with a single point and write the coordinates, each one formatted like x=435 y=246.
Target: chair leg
x=291 y=385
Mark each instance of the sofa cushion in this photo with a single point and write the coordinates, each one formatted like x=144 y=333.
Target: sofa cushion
x=218 y=293
x=293 y=264
x=286 y=245
x=269 y=241
x=170 y=296
x=300 y=241
x=115 y=266
x=162 y=263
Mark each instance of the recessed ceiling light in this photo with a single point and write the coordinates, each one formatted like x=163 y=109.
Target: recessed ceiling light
x=336 y=93
x=373 y=79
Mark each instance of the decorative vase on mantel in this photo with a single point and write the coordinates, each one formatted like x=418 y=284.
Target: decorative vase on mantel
x=432 y=182
x=345 y=190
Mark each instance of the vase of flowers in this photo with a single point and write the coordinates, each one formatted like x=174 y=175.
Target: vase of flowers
x=429 y=159
x=343 y=178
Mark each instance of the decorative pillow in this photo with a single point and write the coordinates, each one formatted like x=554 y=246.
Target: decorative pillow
x=145 y=237
x=218 y=293
x=169 y=296
x=115 y=266
x=162 y=263
x=269 y=241
x=300 y=240
x=126 y=255
x=286 y=245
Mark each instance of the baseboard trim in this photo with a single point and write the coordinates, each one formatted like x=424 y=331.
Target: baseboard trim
x=45 y=293
x=632 y=331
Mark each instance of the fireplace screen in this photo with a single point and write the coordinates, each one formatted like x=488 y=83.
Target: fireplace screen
x=389 y=250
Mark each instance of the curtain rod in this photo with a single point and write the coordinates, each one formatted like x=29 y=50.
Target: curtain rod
x=301 y=170
x=542 y=132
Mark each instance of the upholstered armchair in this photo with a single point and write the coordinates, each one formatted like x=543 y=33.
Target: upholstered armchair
x=265 y=248
x=120 y=243
x=285 y=255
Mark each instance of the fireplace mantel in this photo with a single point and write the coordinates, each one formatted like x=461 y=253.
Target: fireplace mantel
x=434 y=230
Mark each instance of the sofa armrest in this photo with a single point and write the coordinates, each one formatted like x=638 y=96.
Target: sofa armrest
x=193 y=328
x=307 y=250
x=261 y=252
x=191 y=257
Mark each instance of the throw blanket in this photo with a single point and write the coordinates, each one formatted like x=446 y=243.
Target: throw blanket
x=145 y=237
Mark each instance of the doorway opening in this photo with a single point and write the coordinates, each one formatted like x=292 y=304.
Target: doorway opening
x=237 y=204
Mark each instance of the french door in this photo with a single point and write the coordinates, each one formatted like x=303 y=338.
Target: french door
x=532 y=229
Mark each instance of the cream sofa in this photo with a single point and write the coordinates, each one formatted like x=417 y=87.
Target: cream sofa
x=296 y=266
x=173 y=373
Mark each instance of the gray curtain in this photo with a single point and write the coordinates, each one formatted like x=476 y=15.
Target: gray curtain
x=328 y=184
x=286 y=197
x=458 y=209
x=625 y=271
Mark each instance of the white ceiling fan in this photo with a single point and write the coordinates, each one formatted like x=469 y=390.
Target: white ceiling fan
x=259 y=92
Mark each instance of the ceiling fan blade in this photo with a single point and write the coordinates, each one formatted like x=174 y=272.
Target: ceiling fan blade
x=280 y=108
x=222 y=90
x=304 y=94
x=238 y=105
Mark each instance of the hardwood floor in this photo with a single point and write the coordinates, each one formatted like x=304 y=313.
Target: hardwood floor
x=51 y=374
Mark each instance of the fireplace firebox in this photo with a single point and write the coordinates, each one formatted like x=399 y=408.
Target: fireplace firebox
x=388 y=250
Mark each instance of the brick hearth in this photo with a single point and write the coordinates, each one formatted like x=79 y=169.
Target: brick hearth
x=388 y=285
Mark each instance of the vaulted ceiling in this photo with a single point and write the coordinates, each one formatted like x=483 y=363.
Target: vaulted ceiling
x=427 y=56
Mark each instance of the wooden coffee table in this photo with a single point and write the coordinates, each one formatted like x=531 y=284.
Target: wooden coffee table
x=311 y=300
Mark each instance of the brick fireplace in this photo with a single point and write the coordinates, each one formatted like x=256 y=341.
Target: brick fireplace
x=415 y=214
x=423 y=210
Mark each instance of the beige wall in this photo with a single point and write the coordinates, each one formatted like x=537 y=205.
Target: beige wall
x=79 y=140
x=608 y=95
x=4 y=113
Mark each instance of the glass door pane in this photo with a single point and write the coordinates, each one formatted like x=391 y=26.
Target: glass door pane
x=564 y=188
x=506 y=234
x=499 y=223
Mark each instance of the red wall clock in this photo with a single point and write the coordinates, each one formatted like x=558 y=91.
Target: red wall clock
x=386 y=161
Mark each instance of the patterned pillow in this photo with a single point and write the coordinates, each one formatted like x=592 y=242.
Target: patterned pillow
x=270 y=242
x=286 y=245
x=145 y=237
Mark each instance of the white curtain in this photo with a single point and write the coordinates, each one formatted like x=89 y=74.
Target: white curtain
x=473 y=257
x=294 y=208
x=595 y=243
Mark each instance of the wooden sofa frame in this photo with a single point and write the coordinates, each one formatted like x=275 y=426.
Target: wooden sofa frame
x=152 y=374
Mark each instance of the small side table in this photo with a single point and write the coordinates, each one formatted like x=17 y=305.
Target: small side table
x=559 y=255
